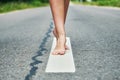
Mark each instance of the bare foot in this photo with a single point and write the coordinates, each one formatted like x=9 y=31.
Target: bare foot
x=60 y=46
x=55 y=34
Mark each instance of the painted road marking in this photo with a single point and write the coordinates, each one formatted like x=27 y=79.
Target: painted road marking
x=61 y=63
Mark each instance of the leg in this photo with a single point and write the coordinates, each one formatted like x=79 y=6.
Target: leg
x=66 y=9
x=57 y=8
x=66 y=5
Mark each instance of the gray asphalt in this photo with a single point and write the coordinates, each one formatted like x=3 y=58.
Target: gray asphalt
x=26 y=39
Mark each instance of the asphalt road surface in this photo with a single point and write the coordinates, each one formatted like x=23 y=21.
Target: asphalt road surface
x=26 y=39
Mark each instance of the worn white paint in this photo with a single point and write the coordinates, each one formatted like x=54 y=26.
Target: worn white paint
x=61 y=63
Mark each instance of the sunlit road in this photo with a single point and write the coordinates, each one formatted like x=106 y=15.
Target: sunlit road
x=26 y=39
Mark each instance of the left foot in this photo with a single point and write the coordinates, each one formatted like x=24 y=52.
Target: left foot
x=60 y=46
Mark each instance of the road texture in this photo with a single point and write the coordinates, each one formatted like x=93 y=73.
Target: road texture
x=26 y=39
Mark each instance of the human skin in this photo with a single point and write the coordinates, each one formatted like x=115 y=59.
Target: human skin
x=59 y=10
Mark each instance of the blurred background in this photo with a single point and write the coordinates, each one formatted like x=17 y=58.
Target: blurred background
x=10 y=5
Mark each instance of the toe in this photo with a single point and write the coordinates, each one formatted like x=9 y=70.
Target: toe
x=62 y=52
x=56 y=52
x=53 y=52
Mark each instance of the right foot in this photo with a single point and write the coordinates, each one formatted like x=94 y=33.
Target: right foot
x=55 y=34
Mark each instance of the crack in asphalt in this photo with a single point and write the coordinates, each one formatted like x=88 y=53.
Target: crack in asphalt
x=39 y=53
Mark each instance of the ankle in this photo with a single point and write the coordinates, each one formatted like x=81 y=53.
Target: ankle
x=62 y=38
x=61 y=35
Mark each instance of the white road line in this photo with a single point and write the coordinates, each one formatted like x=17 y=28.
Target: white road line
x=61 y=63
